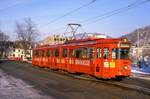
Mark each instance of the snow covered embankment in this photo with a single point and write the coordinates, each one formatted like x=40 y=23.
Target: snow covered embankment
x=13 y=88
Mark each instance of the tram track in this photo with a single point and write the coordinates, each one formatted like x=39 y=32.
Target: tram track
x=91 y=80
x=112 y=82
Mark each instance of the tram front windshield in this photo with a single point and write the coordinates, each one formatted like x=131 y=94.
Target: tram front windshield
x=124 y=53
x=120 y=53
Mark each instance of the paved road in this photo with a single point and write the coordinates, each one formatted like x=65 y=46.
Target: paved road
x=65 y=87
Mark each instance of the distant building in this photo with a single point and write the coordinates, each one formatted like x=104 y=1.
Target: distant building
x=60 y=39
x=90 y=35
x=19 y=54
x=16 y=54
x=54 y=39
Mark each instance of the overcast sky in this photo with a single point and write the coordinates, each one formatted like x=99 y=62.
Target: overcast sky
x=43 y=12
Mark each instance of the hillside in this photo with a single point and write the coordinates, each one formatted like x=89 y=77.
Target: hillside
x=144 y=38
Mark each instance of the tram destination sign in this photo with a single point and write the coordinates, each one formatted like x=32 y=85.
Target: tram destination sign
x=124 y=45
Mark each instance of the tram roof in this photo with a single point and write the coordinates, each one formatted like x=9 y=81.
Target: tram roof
x=84 y=41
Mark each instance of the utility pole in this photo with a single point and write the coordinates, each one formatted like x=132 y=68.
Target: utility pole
x=138 y=44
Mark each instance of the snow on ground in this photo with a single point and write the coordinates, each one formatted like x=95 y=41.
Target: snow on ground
x=144 y=68
x=141 y=71
x=13 y=88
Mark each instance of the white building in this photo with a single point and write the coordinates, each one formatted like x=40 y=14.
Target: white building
x=90 y=35
x=16 y=54
x=19 y=54
x=54 y=39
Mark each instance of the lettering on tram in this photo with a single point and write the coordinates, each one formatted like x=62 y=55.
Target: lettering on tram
x=84 y=55
x=99 y=53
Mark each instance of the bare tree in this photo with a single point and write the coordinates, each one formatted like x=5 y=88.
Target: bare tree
x=4 y=44
x=26 y=33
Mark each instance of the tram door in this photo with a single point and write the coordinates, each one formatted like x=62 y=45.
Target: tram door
x=102 y=62
x=98 y=62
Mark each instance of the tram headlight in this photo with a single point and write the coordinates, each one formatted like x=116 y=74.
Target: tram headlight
x=125 y=67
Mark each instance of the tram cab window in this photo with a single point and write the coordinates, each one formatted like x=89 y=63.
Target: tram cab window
x=65 y=52
x=106 y=53
x=48 y=53
x=57 y=52
x=99 y=53
x=124 y=53
x=72 y=53
x=81 y=53
x=91 y=53
x=120 y=53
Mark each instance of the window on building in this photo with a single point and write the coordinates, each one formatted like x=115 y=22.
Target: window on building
x=14 y=50
x=65 y=52
x=18 y=50
x=57 y=52
x=48 y=53
x=61 y=39
x=106 y=53
x=99 y=53
x=14 y=55
x=81 y=53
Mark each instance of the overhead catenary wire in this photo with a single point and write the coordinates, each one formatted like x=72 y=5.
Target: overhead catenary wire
x=13 y=5
x=114 y=12
x=70 y=12
x=95 y=19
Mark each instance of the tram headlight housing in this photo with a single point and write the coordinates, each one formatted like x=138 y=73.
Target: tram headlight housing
x=125 y=67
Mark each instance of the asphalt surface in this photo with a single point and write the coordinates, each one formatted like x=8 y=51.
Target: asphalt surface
x=64 y=87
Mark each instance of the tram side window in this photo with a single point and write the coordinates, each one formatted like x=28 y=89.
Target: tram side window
x=99 y=53
x=42 y=53
x=91 y=53
x=36 y=53
x=48 y=53
x=65 y=52
x=71 y=53
x=81 y=53
x=57 y=52
x=53 y=53
x=106 y=53
x=114 y=53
